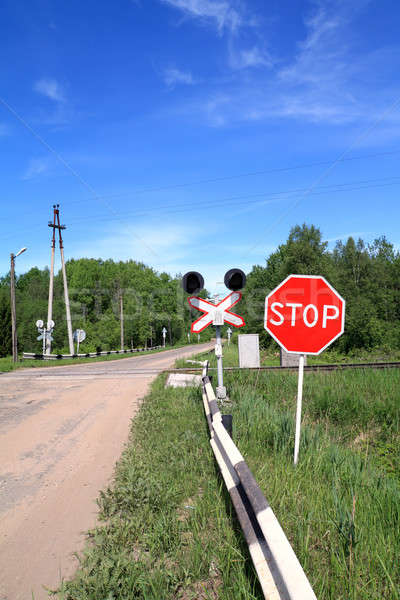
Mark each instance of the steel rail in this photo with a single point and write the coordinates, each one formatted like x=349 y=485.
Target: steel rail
x=324 y=367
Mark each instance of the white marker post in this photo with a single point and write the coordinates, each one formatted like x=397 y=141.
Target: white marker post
x=164 y=333
x=298 y=409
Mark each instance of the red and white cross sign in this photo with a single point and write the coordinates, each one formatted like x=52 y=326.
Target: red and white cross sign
x=216 y=314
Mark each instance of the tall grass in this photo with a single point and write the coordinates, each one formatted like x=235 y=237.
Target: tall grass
x=341 y=505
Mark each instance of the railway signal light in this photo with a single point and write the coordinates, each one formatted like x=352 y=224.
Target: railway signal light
x=192 y=282
x=235 y=279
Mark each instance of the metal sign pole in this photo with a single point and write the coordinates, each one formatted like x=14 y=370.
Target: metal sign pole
x=221 y=391
x=298 y=410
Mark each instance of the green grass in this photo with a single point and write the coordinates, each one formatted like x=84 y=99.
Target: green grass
x=168 y=531
x=341 y=506
x=7 y=364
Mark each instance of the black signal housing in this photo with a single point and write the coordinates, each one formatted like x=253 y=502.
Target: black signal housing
x=192 y=282
x=235 y=279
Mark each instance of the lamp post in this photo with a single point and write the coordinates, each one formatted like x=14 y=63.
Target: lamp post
x=13 y=312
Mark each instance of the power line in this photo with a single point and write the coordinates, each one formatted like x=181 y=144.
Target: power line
x=238 y=176
x=250 y=199
x=67 y=165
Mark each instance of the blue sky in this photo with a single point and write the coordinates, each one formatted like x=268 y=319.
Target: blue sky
x=192 y=134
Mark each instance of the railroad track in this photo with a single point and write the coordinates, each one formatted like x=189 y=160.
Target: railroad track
x=326 y=367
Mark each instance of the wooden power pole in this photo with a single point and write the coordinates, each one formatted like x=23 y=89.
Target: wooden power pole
x=121 y=304
x=56 y=225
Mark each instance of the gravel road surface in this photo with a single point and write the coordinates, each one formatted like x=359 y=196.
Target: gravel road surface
x=61 y=431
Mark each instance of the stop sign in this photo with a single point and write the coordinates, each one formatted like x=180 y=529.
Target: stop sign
x=304 y=314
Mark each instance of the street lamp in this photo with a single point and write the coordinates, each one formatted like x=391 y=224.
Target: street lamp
x=13 y=312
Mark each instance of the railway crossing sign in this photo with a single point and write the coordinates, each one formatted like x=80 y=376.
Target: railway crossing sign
x=216 y=314
x=304 y=314
x=79 y=335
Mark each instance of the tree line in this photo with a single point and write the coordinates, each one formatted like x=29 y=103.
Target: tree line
x=366 y=275
x=151 y=301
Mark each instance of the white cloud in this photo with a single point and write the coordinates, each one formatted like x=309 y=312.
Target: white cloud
x=251 y=57
x=173 y=76
x=49 y=88
x=169 y=247
x=221 y=13
x=36 y=167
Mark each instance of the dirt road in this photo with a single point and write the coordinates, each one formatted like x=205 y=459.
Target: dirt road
x=62 y=430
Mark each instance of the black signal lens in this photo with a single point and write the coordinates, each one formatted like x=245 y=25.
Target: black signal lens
x=192 y=282
x=235 y=279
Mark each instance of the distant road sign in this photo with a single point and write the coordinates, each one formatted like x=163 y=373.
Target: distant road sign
x=39 y=324
x=216 y=314
x=79 y=335
x=40 y=337
x=304 y=314
x=50 y=324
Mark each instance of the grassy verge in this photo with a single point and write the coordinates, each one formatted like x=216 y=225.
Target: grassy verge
x=7 y=364
x=167 y=529
x=341 y=506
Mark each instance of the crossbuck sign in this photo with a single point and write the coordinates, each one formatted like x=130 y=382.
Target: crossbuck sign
x=217 y=314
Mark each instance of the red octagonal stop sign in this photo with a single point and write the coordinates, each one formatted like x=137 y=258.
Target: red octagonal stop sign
x=304 y=314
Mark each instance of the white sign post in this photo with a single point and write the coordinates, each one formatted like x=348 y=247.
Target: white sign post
x=164 y=333
x=229 y=332
x=79 y=336
x=298 y=408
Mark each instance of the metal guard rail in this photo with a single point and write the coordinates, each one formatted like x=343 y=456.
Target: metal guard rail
x=279 y=571
x=33 y=355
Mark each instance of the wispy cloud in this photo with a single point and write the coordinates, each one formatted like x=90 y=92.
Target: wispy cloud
x=173 y=76
x=328 y=80
x=177 y=246
x=36 y=167
x=49 y=88
x=250 y=57
x=222 y=14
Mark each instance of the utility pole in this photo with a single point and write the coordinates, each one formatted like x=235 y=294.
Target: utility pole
x=13 y=311
x=51 y=283
x=121 y=318
x=66 y=296
x=14 y=340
